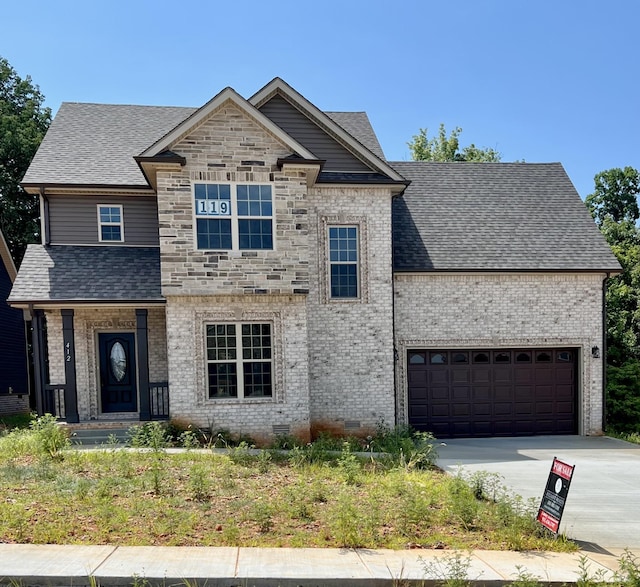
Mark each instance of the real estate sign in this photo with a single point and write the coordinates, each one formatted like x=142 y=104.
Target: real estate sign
x=555 y=495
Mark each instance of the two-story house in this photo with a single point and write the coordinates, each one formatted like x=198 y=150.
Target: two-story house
x=258 y=265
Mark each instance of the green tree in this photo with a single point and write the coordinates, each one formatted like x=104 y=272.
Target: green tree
x=614 y=207
x=615 y=196
x=23 y=123
x=447 y=148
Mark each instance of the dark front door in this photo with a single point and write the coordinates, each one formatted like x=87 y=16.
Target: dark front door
x=118 y=372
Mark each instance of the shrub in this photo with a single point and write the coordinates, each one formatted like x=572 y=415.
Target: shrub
x=50 y=436
x=623 y=397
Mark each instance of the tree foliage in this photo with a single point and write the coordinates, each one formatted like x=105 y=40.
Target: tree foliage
x=615 y=196
x=23 y=123
x=614 y=207
x=447 y=148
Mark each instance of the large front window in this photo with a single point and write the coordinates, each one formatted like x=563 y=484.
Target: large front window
x=239 y=360
x=233 y=216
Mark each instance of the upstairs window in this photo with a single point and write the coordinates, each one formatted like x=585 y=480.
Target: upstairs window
x=343 y=262
x=110 y=223
x=233 y=216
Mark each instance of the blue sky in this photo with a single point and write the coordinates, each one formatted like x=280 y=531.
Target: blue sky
x=550 y=80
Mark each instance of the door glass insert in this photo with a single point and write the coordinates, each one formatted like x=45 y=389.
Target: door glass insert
x=438 y=358
x=118 y=361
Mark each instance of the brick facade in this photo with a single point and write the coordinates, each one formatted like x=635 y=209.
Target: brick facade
x=87 y=324
x=500 y=311
x=187 y=318
x=351 y=341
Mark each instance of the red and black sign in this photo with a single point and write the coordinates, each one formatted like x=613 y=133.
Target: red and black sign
x=555 y=495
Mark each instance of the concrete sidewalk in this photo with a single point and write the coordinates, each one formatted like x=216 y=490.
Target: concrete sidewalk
x=52 y=566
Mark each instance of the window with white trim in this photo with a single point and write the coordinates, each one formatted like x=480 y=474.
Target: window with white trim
x=239 y=360
x=343 y=262
x=233 y=216
x=110 y=223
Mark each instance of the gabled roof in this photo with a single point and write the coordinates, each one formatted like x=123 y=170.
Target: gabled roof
x=95 y=145
x=200 y=115
x=277 y=86
x=494 y=217
x=64 y=273
x=7 y=259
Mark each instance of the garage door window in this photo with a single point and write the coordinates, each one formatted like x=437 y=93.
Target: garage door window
x=481 y=358
x=523 y=358
x=417 y=358
x=438 y=358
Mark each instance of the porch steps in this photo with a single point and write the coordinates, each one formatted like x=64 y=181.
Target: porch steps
x=103 y=434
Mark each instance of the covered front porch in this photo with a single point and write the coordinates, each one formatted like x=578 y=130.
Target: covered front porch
x=96 y=364
x=98 y=329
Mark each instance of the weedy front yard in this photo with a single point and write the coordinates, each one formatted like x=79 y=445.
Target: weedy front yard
x=304 y=497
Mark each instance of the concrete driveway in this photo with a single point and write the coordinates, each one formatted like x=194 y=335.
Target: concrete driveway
x=603 y=505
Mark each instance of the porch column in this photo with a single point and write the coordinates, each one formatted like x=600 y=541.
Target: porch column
x=142 y=359
x=70 y=392
x=39 y=365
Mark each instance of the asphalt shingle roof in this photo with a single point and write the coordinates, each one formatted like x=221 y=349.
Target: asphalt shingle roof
x=357 y=124
x=71 y=273
x=494 y=216
x=94 y=144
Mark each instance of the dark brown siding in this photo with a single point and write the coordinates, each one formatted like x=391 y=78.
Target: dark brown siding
x=73 y=220
x=311 y=136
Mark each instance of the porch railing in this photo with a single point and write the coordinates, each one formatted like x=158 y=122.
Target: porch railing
x=159 y=400
x=54 y=401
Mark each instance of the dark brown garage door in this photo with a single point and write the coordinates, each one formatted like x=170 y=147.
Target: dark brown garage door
x=502 y=392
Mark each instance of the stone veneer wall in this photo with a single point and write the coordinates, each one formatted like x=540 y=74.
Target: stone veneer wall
x=88 y=322
x=504 y=310
x=187 y=318
x=351 y=358
x=231 y=148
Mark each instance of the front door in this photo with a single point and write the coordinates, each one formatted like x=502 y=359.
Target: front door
x=118 y=372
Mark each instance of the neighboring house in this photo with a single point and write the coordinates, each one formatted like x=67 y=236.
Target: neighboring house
x=258 y=265
x=14 y=379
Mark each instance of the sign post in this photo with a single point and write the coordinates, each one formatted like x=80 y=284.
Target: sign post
x=555 y=495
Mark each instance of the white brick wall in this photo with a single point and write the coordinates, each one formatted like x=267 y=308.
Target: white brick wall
x=186 y=321
x=351 y=342
x=504 y=310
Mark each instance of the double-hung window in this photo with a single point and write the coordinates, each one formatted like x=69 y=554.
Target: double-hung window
x=233 y=216
x=343 y=261
x=239 y=360
x=110 y=223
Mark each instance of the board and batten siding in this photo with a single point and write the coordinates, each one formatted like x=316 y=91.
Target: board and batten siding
x=73 y=220
x=303 y=130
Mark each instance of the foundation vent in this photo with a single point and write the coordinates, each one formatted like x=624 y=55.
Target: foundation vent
x=351 y=424
x=281 y=429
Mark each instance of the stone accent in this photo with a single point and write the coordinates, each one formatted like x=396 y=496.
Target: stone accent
x=351 y=341
x=88 y=322
x=231 y=148
x=187 y=318
x=504 y=310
